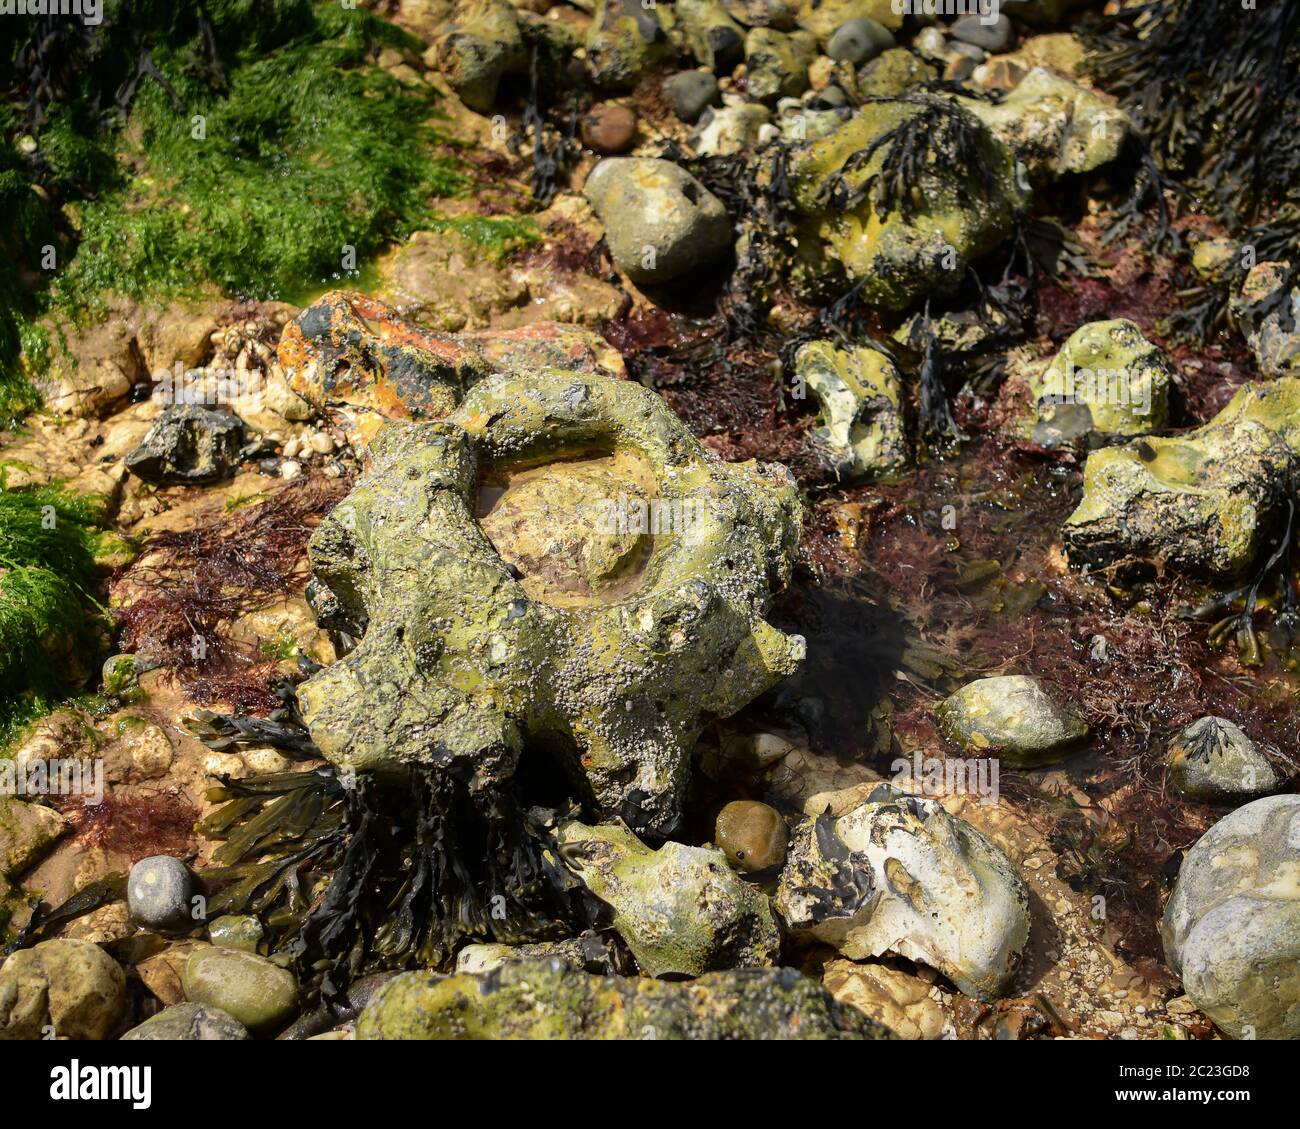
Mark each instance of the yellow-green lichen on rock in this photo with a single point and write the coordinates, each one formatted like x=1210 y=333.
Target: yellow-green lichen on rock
x=682 y=910
x=1106 y=379
x=861 y=399
x=896 y=239
x=617 y=655
x=1204 y=503
x=544 y=999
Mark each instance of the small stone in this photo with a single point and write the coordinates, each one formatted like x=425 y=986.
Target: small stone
x=189 y=1023
x=690 y=93
x=932 y=44
x=158 y=892
x=1212 y=759
x=188 y=443
x=968 y=51
x=1014 y=716
x=609 y=128
x=236 y=931
x=859 y=41
x=290 y=468
x=752 y=835
x=994 y=35
x=260 y=995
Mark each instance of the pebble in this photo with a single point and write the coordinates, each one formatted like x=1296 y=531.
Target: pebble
x=260 y=995
x=993 y=37
x=236 y=931
x=690 y=93
x=189 y=1023
x=158 y=892
x=290 y=468
x=859 y=41
x=609 y=128
x=752 y=835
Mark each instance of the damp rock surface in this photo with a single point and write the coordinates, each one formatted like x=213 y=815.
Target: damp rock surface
x=898 y=874
x=188 y=443
x=546 y=1000
x=1232 y=926
x=1014 y=716
x=61 y=989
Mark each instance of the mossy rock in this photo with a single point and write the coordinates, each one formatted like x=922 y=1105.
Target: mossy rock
x=547 y=1000
x=954 y=212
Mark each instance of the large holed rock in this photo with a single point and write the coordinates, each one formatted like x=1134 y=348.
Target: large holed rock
x=682 y=910
x=609 y=614
x=861 y=429
x=1232 y=926
x=1107 y=379
x=898 y=874
x=547 y=1000
x=900 y=240
x=1205 y=503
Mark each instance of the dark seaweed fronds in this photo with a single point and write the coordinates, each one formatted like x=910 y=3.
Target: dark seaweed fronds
x=942 y=133
x=46 y=921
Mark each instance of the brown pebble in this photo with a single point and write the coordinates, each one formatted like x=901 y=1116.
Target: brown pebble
x=752 y=835
x=608 y=128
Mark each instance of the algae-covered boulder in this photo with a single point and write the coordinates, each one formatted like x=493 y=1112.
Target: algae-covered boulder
x=480 y=46
x=626 y=39
x=861 y=399
x=1017 y=717
x=899 y=874
x=1212 y=759
x=1106 y=379
x=1232 y=926
x=777 y=63
x=904 y=195
x=659 y=220
x=62 y=989
x=1054 y=126
x=893 y=72
x=682 y=910
x=1204 y=503
x=546 y=1000
x=612 y=627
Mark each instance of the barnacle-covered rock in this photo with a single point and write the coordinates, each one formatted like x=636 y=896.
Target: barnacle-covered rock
x=776 y=63
x=1054 y=126
x=481 y=46
x=900 y=233
x=1212 y=759
x=547 y=1000
x=1203 y=504
x=1231 y=929
x=659 y=220
x=1106 y=379
x=899 y=874
x=1018 y=717
x=894 y=71
x=861 y=399
x=682 y=910
x=626 y=38
x=610 y=626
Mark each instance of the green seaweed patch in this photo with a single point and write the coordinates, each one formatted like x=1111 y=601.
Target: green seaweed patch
x=500 y=236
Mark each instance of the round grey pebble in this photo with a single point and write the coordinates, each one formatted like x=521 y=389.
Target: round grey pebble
x=690 y=93
x=189 y=1023
x=859 y=41
x=158 y=892
x=968 y=51
x=993 y=37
